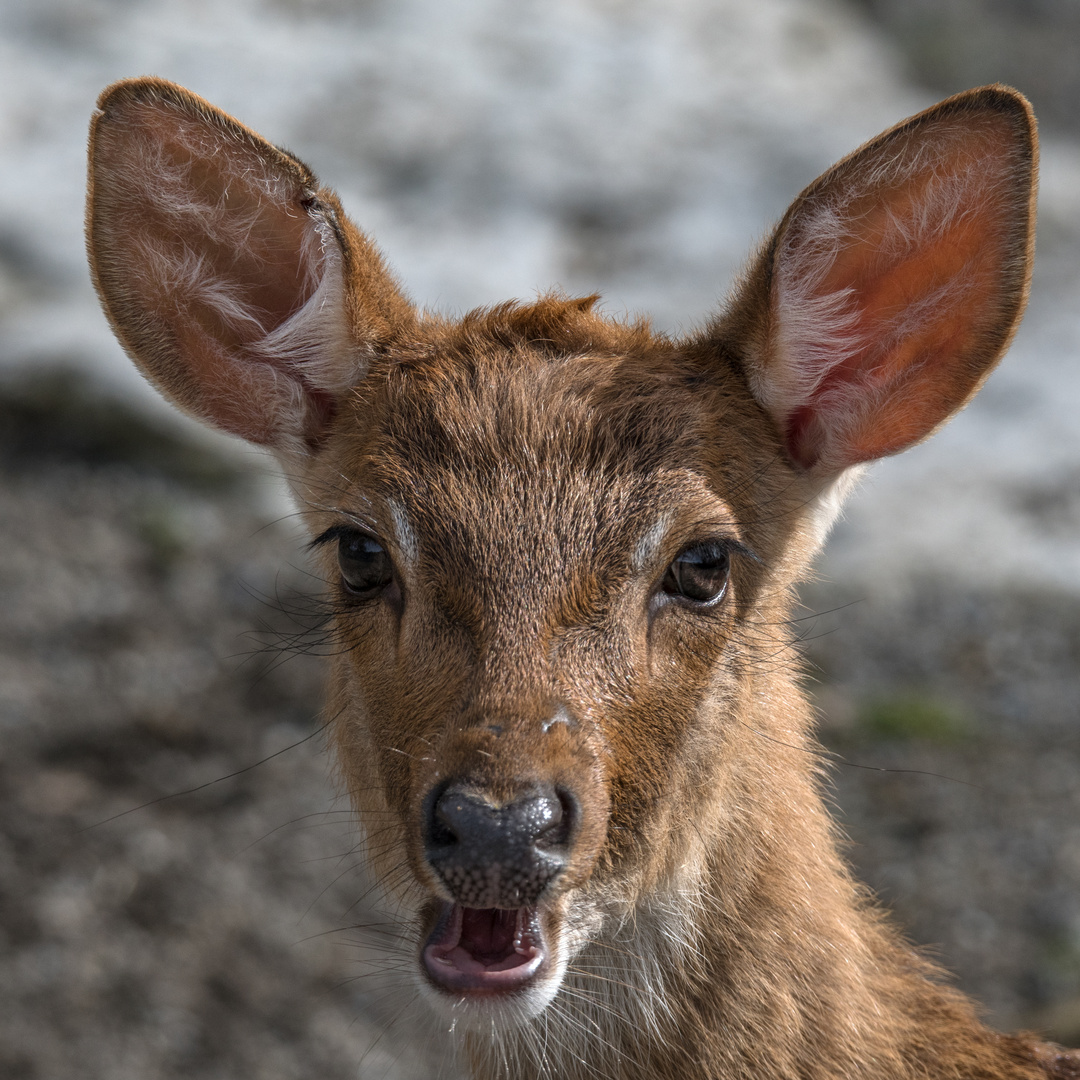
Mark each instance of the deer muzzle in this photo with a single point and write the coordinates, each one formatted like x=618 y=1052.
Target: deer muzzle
x=497 y=860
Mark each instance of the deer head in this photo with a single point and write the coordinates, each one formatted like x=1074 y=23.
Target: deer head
x=561 y=548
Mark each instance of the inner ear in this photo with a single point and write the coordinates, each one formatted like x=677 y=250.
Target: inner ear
x=231 y=277
x=229 y=229
x=918 y=274
x=894 y=283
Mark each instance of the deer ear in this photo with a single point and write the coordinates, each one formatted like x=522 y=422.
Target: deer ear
x=893 y=284
x=234 y=282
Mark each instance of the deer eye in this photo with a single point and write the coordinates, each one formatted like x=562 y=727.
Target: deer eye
x=699 y=573
x=365 y=566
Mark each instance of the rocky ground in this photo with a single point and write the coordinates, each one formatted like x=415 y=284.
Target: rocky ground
x=180 y=894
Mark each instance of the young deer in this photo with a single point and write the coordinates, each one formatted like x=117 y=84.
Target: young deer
x=562 y=550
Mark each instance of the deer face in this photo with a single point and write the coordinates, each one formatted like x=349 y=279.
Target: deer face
x=540 y=589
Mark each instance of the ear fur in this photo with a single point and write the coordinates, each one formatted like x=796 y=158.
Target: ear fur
x=894 y=283
x=233 y=280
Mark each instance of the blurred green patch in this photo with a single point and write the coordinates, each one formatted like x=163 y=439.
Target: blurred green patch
x=1061 y=952
x=911 y=716
x=1059 y=975
x=60 y=414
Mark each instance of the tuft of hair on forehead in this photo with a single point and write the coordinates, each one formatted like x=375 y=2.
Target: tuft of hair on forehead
x=553 y=325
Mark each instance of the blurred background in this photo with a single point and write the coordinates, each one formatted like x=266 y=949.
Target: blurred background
x=157 y=632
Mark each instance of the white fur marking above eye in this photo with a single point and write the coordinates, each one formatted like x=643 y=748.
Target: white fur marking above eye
x=649 y=544
x=403 y=534
x=560 y=716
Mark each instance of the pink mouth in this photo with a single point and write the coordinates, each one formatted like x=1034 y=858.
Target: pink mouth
x=484 y=950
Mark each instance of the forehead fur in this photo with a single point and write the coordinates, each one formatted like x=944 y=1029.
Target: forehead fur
x=537 y=387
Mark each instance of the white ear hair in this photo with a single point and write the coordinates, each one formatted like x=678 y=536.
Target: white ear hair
x=820 y=329
x=317 y=339
x=894 y=283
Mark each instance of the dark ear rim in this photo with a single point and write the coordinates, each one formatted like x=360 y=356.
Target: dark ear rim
x=744 y=328
x=152 y=90
x=995 y=97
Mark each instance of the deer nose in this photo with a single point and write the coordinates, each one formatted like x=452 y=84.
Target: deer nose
x=498 y=855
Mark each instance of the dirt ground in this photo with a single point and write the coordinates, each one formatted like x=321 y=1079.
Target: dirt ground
x=180 y=890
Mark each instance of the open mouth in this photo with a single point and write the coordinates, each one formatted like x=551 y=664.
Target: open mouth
x=484 y=950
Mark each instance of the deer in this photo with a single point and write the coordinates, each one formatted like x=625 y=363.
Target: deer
x=562 y=553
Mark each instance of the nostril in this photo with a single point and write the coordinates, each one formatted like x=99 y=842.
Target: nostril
x=441 y=833
x=533 y=817
x=564 y=817
x=438 y=830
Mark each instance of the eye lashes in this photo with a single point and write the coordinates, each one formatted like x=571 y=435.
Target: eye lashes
x=336 y=532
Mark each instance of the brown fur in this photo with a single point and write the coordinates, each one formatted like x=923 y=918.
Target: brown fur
x=532 y=471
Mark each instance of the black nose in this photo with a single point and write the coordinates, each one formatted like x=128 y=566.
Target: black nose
x=498 y=856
